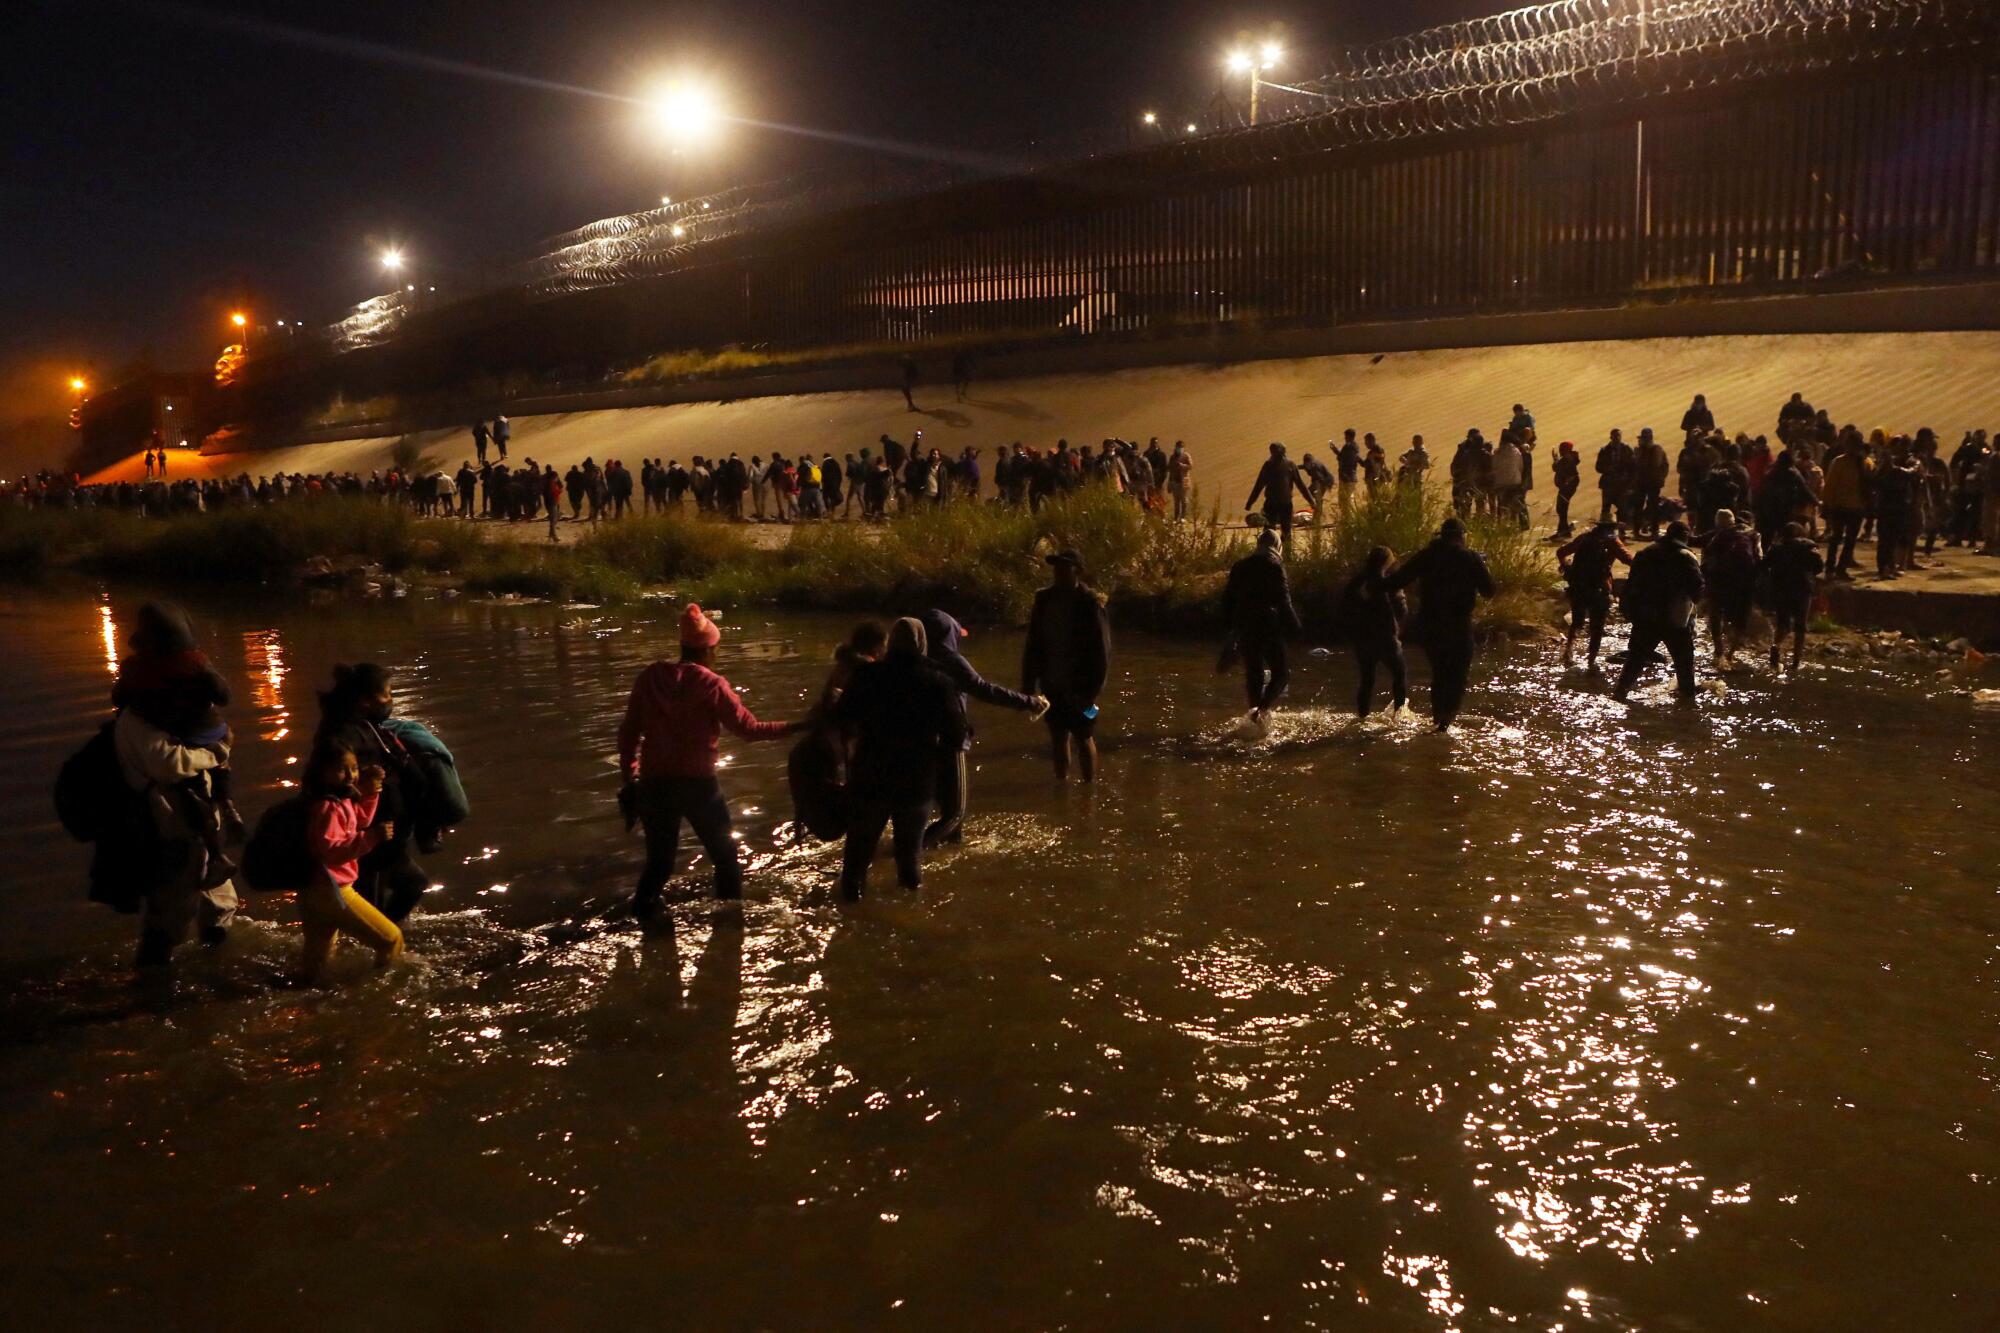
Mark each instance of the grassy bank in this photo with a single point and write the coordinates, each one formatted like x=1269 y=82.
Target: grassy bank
x=984 y=561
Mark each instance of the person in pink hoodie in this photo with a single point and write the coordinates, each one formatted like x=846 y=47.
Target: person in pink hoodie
x=667 y=752
x=343 y=797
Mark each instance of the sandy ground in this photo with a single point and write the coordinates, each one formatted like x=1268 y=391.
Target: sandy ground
x=1227 y=415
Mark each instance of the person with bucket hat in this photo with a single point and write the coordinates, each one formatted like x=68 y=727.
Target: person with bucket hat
x=667 y=753
x=1067 y=659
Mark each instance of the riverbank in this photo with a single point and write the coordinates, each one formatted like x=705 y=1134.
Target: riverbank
x=983 y=560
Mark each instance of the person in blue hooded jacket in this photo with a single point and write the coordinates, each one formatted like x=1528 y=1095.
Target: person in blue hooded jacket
x=943 y=635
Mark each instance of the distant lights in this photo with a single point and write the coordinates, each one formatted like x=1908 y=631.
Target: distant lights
x=1150 y=118
x=679 y=230
x=1191 y=127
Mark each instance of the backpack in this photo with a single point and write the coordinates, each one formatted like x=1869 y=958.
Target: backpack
x=91 y=796
x=275 y=859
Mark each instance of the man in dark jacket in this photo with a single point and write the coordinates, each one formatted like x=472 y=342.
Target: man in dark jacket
x=1257 y=608
x=1795 y=420
x=942 y=634
x=1067 y=659
x=1792 y=567
x=1588 y=564
x=1450 y=579
x=1616 y=466
x=1697 y=417
x=1661 y=594
x=907 y=721
x=1276 y=481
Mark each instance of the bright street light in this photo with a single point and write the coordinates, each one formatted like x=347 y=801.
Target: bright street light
x=666 y=201
x=685 y=113
x=679 y=230
x=392 y=260
x=1190 y=128
x=77 y=384
x=1150 y=118
x=239 y=319
x=1242 y=62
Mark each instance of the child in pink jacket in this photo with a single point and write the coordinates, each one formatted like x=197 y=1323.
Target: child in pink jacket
x=343 y=797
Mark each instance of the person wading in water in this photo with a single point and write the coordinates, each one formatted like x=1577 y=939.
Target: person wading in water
x=1450 y=579
x=1371 y=614
x=1067 y=659
x=667 y=752
x=1588 y=564
x=1661 y=594
x=907 y=721
x=1257 y=608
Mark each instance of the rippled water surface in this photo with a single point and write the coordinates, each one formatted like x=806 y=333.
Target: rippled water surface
x=1583 y=1018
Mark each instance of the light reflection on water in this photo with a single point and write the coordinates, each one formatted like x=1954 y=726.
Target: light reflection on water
x=1581 y=1017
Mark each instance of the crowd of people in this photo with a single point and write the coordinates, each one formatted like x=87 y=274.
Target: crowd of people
x=884 y=749
x=1833 y=480
x=873 y=483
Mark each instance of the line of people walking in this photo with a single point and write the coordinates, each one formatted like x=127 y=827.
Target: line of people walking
x=883 y=751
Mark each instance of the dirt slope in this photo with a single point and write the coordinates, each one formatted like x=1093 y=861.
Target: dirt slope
x=1577 y=391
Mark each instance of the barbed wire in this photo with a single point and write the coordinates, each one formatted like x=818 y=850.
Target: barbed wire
x=1534 y=64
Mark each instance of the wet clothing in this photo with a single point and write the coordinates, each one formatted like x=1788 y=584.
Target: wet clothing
x=1372 y=616
x=1450 y=581
x=941 y=645
x=1791 y=571
x=1660 y=597
x=1257 y=607
x=389 y=876
x=907 y=717
x=675 y=719
x=168 y=860
x=1067 y=656
x=1591 y=561
x=908 y=720
x=1729 y=569
x=662 y=803
x=327 y=911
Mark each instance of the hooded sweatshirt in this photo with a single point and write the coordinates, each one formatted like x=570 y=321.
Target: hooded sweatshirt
x=675 y=718
x=942 y=635
x=906 y=715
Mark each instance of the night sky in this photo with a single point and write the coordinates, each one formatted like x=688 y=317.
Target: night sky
x=163 y=165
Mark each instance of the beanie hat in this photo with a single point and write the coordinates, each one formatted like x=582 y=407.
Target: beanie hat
x=697 y=630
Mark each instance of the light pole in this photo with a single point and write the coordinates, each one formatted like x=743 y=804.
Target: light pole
x=1254 y=63
x=242 y=323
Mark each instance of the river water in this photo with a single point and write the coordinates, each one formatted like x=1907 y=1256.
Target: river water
x=1581 y=1018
